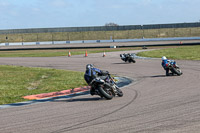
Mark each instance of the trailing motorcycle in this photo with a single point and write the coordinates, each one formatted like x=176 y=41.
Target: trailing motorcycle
x=105 y=86
x=127 y=57
x=174 y=68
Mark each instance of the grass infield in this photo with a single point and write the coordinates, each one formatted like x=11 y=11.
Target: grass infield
x=181 y=53
x=53 y=53
x=17 y=82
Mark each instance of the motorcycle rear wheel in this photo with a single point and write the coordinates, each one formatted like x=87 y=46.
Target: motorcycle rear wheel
x=106 y=92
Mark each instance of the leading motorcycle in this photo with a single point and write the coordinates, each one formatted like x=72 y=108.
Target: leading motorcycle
x=127 y=57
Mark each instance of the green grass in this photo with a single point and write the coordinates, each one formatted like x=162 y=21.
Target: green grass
x=34 y=53
x=182 y=53
x=17 y=82
x=53 y=53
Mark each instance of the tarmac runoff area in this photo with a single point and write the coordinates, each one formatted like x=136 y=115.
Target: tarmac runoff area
x=45 y=97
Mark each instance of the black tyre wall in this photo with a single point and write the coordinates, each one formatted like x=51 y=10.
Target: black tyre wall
x=105 y=94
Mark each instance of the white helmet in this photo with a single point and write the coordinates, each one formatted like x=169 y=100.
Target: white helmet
x=164 y=58
x=88 y=66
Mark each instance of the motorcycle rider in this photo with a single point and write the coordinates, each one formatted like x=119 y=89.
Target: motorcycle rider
x=127 y=57
x=165 y=63
x=123 y=56
x=91 y=73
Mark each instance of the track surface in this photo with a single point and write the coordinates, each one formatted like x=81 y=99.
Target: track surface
x=152 y=104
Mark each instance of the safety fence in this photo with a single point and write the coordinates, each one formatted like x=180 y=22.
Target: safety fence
x=100 y=33
x=100 y=28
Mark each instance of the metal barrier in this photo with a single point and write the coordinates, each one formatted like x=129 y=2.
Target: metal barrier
x=102 y=41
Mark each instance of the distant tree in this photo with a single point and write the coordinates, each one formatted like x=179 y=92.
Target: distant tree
x=111 y=24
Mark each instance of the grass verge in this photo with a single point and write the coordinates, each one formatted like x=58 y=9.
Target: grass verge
x=17 y=82
x=182 y=53
x=100 y=35
x=53 y=53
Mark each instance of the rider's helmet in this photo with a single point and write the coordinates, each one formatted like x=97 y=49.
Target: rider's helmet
x=89 y=66
x=164 y=58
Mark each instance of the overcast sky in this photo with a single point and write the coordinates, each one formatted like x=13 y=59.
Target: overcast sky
x=20 y=14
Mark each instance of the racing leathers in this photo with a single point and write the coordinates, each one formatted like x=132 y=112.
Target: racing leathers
x=165 y=64
x=92 y=73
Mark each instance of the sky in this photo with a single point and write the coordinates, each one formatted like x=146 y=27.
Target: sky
x=23 y=14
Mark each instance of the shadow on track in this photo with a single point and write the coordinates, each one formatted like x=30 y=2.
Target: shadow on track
x=79 y=100
x=122 y=63
x=155 y=76
x=158 y=76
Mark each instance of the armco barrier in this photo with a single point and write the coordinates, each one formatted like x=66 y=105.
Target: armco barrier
x=102 y=41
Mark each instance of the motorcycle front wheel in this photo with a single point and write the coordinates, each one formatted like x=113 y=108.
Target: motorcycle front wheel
x=119 y=92
x=131 y=60
x=176 y=71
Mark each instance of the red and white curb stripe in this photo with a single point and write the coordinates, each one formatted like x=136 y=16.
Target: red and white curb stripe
x=47 y=97
x=56 y=94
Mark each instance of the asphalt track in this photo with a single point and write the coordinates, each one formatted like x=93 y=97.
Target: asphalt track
x=154 y=103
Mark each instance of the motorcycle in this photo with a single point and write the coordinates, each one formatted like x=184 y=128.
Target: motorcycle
x=174 y=68
x=105 y=86
x=127 y=57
